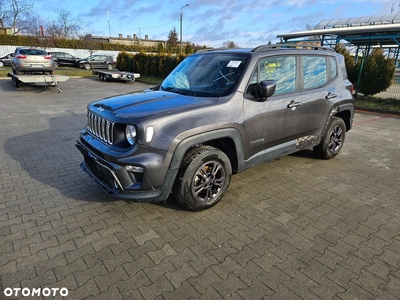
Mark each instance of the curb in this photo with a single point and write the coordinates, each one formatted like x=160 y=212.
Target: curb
x=378 y=111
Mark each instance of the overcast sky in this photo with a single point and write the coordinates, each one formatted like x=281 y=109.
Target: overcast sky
x=210 y=22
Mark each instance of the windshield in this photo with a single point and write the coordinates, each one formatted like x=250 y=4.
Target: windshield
x=206 y=74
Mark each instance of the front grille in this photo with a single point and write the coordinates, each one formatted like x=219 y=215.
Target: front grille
x=100 y=127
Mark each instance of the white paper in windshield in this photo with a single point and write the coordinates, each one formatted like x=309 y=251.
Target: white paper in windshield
x=234 y=63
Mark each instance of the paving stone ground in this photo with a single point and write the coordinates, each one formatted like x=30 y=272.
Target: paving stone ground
x=293 y=228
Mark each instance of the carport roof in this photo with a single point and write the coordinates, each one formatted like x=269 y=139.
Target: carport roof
x=360 y=31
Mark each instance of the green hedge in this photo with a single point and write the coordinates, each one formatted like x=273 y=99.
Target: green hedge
x=19 y=40
x=159 y=65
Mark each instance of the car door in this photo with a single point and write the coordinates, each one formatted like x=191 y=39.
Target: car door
x=8 y=58
x=318 y=90
x=60 y=58
x=103 y=62
x=97 y=61
x=271 y=126
x=69 y=60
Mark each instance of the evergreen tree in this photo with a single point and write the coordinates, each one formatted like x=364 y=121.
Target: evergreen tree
x=173 y=38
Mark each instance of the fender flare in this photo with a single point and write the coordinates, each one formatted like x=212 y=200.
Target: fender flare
x=201 y=138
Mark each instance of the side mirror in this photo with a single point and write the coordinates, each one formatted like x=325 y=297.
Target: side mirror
x=267 y=88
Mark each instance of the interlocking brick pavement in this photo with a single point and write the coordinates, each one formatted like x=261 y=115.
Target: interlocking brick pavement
x=293 y=228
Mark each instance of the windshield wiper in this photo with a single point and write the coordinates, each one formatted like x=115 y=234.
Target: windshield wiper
x=168 y=88
x=176 y=90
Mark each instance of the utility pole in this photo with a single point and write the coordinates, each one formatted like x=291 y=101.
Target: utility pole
x=109 y=27
x=181 y=29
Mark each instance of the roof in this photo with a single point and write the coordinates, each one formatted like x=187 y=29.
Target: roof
x=360 y=31
x=360 y=21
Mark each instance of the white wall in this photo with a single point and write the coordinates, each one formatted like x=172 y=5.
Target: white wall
x=80 y=53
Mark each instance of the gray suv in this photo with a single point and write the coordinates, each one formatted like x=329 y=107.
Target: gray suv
x=218 y=113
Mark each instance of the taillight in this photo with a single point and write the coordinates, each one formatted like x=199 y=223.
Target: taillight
x=20 y=56
x=47 y=57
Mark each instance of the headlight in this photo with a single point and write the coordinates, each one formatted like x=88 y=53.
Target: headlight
x=130 y=134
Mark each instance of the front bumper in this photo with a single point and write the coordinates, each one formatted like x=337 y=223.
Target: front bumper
x=128 y=180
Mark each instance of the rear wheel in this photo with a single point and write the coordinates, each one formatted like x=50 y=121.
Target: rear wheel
x=203 y=178
x=333 y=140
x=55 y=64
x=16 y=82
x=1 y=64
x=86 y=66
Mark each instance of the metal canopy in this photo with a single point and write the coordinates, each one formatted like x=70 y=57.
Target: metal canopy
x=379 y=30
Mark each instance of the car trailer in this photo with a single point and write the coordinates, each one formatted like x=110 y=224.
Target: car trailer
x=38 y=79
x=116 y=75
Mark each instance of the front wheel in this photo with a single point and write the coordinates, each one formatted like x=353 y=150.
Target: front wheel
x=87 y=66
x=110 y=66
x=203 y=178
x=333 y=140
x=1 y=64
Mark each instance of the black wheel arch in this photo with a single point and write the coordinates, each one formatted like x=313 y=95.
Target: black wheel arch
x=345 y=115
x=227 y=140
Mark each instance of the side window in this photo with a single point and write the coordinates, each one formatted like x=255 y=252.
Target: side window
x=333 y=67
x=314 y=71
x=282 y=69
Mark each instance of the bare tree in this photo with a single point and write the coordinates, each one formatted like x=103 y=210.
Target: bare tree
x=229 y=44
x=65 y=27
x=18 y=14
x=4 y=12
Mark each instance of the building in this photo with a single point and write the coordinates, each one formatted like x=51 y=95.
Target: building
x=131 y=40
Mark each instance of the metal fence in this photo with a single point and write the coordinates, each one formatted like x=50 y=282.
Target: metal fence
x=394 y=90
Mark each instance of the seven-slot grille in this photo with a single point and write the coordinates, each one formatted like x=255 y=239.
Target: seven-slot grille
x=101 y=128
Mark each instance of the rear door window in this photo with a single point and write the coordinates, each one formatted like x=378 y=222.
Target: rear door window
x=314 y=71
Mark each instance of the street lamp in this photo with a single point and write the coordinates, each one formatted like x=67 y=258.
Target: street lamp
x=181 y=29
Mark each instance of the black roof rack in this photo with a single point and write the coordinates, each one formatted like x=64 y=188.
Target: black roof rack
x=290 y=46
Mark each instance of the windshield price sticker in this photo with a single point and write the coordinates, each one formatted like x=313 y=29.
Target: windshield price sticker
x=234 y=64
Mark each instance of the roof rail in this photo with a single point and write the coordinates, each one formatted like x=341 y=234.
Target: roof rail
x=290 y=46
x=210 y=49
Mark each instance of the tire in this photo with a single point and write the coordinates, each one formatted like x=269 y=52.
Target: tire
x=16 y=82
x=203 y=178
x=333 y=140
x=55 y=64
x=86 y=66
x=104 y=77
x=1 y=64
x=16 y=72
x=110 y=66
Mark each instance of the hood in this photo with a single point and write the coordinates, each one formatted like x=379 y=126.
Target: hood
x=132 y=108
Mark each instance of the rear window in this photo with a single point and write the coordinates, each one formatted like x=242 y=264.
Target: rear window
x=32 y=52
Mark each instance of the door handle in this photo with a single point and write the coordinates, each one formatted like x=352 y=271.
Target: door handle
x=293 y=104
x=330 y=96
